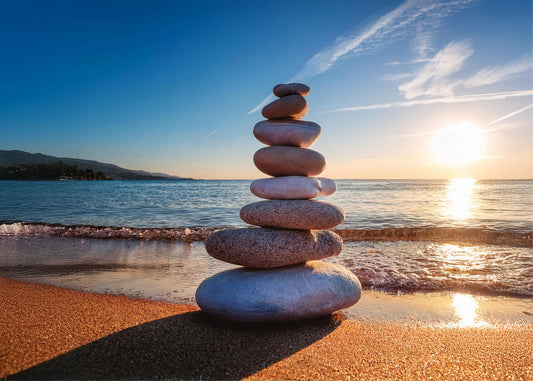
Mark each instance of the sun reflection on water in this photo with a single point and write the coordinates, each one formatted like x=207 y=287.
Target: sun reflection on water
x=459 y=198
x=465 y=307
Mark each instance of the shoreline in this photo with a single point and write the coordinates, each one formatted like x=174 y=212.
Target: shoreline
x=464 y=235
x=51 y=332
x=442 y=308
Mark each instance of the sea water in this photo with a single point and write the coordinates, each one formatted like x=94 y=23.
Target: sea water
x=506 y=206
x=430 y=241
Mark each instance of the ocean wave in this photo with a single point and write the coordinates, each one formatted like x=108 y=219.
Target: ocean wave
x=396 y=282
x=191 y=234
x=187 y=234
x=440 y=234
x=410 y=266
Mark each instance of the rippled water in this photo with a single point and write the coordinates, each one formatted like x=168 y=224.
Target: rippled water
x=369 y=204
x=400 y=236
x=387 y=266
x=470 y=284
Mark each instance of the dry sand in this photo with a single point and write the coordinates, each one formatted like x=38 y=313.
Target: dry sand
x=53 y=333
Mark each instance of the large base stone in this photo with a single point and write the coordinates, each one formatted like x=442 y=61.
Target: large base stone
x=267 y=248
x=282 y=294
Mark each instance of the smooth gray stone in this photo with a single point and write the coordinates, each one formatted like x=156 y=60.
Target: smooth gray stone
x=267 y=248
x=283 y=294
x=287 y=132
x=291 y=106
x=284 y=89
x=293 y=187
x=289 y=161
x=293 y=214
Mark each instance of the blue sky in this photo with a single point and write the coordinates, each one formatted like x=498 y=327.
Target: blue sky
x=175 y=86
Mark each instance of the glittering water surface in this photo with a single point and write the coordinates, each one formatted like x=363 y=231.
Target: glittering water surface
x=369 y=204
x=171 y=271
x=404 y=266
x=437 y=239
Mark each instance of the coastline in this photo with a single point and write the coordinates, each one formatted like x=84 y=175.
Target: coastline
x=50 y=332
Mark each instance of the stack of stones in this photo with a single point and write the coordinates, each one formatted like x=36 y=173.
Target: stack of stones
x=282 y=277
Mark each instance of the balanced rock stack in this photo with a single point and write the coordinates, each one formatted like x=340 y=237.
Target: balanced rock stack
x=282 y=278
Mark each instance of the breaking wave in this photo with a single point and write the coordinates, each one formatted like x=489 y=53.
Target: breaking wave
x=187 y=234
x=191 y=234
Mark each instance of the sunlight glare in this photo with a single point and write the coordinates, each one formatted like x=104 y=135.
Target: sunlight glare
x=465 y=307
x=459 y=198
x=459 y=144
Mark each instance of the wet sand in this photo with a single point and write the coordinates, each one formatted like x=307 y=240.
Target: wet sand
x=53 y=333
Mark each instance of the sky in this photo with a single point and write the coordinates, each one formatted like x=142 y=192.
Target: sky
x=407 y=89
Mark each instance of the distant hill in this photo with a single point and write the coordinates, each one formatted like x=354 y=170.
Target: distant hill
x=18 y=158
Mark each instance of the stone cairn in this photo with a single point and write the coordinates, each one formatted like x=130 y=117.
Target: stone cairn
x=282 y=277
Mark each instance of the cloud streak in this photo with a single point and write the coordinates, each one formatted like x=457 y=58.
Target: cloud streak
x=216 y=130
x=261 y=104
x=412 y=15
x=452 y=99
x=516 y=112
x=509 y=115
x=433 y=78
x=495 y=74
x=396 y=77
x=326 y=58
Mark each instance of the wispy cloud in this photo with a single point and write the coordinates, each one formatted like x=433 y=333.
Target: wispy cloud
x=216 y=130
x=507 y=116
x=354 y=42
x=261 y=104
x=433 y=79
x=495 y=74
x=411 y=16
x=422 y=45
x=452 y=99
x=485 y=130
x=396 y=77
x=519 y=111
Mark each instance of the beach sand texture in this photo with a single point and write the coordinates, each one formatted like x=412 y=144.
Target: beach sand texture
x=53 y=333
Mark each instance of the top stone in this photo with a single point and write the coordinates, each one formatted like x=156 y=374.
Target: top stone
x=284 y=89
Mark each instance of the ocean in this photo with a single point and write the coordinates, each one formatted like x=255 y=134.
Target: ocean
x=145 y=238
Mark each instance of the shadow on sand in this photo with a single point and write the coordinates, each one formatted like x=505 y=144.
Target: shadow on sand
x=186 y=346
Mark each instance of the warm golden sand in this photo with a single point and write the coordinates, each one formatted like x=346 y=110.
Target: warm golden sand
x=47 y=332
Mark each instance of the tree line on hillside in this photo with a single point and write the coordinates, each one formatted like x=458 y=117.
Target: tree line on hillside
x=52 y=171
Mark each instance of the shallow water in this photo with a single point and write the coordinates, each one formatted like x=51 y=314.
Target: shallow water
x=427 y=240
x=171 y=271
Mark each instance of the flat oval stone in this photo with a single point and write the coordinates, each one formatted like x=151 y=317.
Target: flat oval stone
x=284 y=89
x=287 y=132
x=291 y=106
x=289 y=161
x=293 y=214
x=266 y=248
x=283 y=294
x=293 y=187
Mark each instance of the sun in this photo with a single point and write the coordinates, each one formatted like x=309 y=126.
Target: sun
x=459 y=144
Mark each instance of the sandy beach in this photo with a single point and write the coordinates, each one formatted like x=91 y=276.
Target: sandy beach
x=54 y=333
